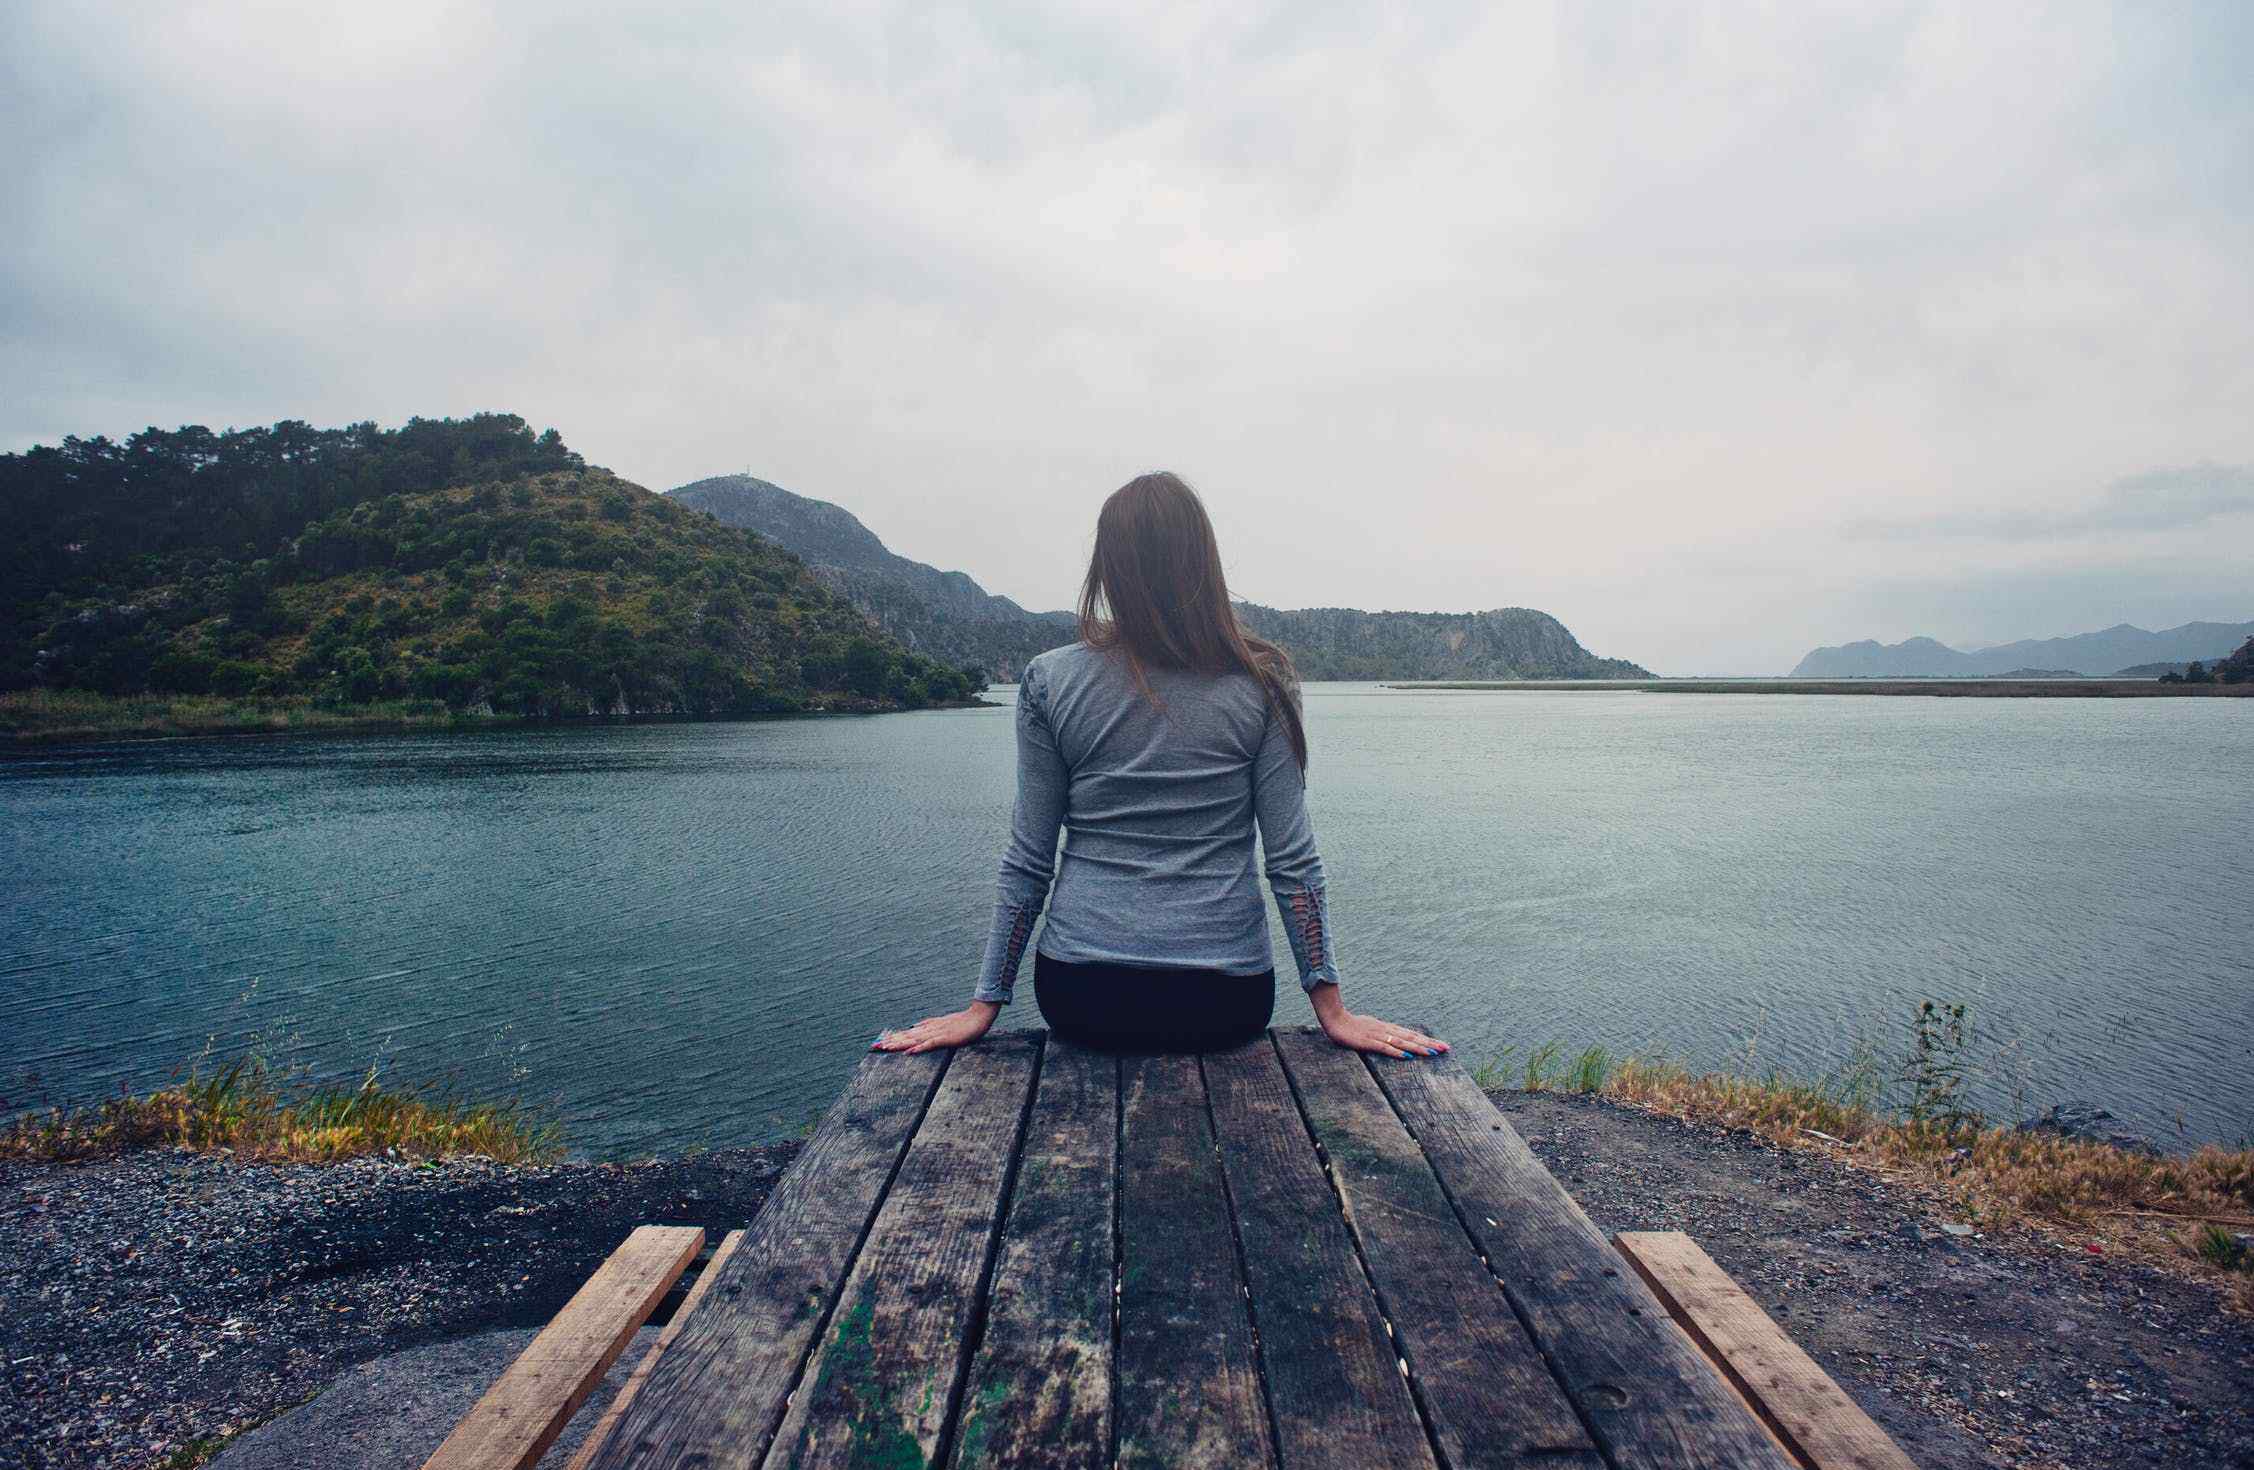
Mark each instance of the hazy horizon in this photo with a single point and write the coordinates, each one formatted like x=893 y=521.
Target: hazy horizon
x=1719 y=336
x=910 y=554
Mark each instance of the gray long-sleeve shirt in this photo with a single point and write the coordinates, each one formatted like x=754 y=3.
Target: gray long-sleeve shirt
x=1159 y=808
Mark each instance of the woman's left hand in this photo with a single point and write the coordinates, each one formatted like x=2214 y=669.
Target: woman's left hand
x=956 y=1028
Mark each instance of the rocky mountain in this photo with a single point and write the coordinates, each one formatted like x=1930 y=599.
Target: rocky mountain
x=2099 y=653
x=947 y=615
x=943 y=615
x=1504 y=643
x=462 y=561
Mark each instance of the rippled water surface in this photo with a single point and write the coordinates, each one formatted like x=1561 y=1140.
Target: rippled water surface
x=688 y=934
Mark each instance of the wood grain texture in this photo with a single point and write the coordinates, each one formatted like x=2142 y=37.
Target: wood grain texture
x=1188 y=1377
x=524 y=1411
x=882 y=1387
x=1335 y=1383
x=1823 y=1427
x=1039 y=1391
x=1486 y=1392
x=713 y=1400
x=1650 y=1399
x=671 y=1330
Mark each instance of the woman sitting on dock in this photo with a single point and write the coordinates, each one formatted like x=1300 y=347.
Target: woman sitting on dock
x=1159 y=740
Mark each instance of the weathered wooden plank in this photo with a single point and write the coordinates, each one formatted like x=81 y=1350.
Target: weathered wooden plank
x=1335 y=1384
x=1039 y=1391
x=1814 y=1417
x=1486 y=1392
x=671 y=1330
x=1187 y=1378
x=524 y=1411
x=883 y=1385
x=1648 y=1396
x=768 y=1300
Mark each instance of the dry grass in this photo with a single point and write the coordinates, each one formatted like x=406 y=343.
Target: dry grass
x=2184 y=1211
x=247 y=1109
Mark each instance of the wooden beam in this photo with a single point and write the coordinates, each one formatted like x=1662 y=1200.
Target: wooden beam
x=1488 y=1395
x=1188 y=1379
x=769 y=1299
x=671 y=1330
x=1650 y=1399
x=882 y=1387
x=1039 y=1392
x=524 y=1411
x=1810 y=1414
x=1335 y=1381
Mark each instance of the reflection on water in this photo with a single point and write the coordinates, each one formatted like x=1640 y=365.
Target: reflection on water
x=689 y=933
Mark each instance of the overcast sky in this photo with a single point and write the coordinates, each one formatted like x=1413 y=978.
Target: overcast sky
x=1717 y=331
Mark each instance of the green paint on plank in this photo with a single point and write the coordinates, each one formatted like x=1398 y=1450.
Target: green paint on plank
x=978 y=1425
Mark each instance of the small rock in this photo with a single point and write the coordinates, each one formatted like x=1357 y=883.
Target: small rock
x=2089 y=1123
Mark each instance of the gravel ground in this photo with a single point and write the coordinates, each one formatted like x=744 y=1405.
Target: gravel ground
x=2024 y=1350
x=167 y=1297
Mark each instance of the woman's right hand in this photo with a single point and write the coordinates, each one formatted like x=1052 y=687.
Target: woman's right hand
x=1368 y=1033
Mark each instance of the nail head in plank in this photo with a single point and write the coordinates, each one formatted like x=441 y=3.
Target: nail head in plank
x=1039 y=1391
x=671 y=1330
x=765 y=1304
x=1333 y=1375
x=1188 y=1381
x=1649 y=1397
x=1488 y=1395
x=882 y=1385
x=524 y=1411
x=1812 y=1414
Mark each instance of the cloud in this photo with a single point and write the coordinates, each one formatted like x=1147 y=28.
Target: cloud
x=1460 y=306
x=2158 y=500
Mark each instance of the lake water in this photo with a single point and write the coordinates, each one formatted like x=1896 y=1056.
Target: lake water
x=688 y=934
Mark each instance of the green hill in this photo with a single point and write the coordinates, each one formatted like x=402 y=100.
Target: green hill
x=463 y=563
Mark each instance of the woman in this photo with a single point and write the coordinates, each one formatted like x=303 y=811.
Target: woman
x=1159 y=741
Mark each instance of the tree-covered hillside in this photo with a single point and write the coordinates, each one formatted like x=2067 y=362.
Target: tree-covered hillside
x=468 y=561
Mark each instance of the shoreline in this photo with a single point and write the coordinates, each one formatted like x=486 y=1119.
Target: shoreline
x=302 y=718
x=169 y=1301
x=1945 y=688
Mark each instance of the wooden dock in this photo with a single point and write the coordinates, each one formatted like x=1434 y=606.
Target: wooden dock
x=1026 y=1253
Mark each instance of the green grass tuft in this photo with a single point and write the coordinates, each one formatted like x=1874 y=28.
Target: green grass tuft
x=248 y=1108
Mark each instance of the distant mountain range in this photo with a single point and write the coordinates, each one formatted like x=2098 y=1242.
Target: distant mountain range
x=948 y=616
x=2120 y=649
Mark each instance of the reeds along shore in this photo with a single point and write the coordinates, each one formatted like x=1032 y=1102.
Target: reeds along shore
x=1940 y=688
x=2189 y=1210
x=59 y=716
x=248 y=1109
x=2193 y=1210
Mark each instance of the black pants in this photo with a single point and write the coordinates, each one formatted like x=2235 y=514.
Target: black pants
x=1137 y=1008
